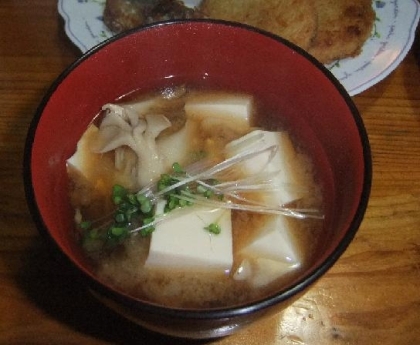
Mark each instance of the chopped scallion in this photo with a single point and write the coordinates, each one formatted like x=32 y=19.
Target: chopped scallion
x=213 y=228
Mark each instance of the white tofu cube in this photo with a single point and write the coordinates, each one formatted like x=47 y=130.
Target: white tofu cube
x=289 y=184
x=231 y=110
x=177 y=146
x=271 y=254
x=261 y=272
x=274 y=241
x=83 y=157
x=182 y=242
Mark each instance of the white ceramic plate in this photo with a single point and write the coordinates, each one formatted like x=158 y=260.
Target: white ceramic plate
x=392 y=37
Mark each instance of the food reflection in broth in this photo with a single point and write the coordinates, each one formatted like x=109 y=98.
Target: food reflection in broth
x=182 y=199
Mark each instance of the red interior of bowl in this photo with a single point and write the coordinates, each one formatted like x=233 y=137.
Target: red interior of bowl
x=211 y=55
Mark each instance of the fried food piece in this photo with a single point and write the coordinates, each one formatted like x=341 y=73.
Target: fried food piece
x=343 y=28
x=327 y=29
x=294 y=20
x=170 y=9
x=123 y=15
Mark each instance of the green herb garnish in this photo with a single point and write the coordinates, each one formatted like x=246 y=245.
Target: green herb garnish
x=213 y=228
x=131 y=211
x=135 y=212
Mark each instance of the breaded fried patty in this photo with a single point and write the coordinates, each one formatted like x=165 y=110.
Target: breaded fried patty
x=122 y=15
x=343 y=28
x=295 y=20
x=327 y=29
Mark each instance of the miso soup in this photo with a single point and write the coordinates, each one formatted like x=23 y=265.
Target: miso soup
x=190 y=199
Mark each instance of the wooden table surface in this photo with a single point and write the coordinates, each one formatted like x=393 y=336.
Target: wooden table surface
x=371 y=296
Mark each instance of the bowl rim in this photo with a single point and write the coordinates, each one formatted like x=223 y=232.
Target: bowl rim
x=232 y=311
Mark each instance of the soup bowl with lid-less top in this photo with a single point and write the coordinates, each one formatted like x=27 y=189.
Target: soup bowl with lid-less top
x=211 y=54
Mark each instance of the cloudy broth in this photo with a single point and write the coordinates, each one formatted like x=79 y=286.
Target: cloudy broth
x=124 y=265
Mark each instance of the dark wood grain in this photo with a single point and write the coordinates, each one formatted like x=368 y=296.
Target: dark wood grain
x=371 y=296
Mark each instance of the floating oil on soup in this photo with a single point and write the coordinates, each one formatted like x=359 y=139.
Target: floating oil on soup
x=183 y=198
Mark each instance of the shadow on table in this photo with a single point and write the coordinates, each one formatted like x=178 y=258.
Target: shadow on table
x=59 y=293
